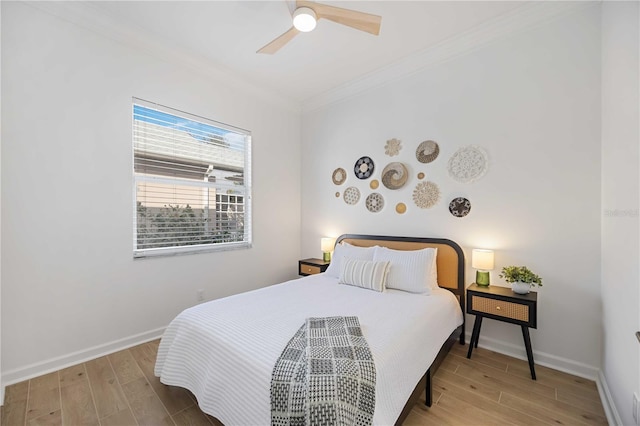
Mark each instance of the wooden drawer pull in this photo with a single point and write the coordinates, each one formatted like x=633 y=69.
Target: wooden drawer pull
x=498 y=308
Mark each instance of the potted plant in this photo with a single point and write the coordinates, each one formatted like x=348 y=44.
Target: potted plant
x=521 y=278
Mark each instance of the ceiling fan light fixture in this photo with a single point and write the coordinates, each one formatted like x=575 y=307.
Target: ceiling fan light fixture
x=304 y=19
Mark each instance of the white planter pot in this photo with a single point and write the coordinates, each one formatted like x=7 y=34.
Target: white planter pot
x=520 y=287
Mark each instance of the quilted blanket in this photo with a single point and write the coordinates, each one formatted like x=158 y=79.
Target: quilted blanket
x=324 y=376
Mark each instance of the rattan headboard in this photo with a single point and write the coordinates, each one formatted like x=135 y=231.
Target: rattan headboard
x=450 y=259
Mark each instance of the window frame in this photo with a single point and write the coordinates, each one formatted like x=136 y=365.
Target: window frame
x=140 y=253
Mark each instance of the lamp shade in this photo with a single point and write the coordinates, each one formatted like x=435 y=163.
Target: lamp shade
x=326 y=244
x=304 y=19
x=482 y=259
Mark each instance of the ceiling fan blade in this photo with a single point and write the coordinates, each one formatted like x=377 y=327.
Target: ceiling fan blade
x=351 y=18
x=279 y=42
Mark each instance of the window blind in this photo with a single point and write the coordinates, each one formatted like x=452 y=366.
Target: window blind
x=192 y=182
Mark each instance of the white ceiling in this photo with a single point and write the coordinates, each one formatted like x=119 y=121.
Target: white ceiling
x=227 y=34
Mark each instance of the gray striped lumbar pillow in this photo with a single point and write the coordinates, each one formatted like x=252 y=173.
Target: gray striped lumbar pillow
x=364 y=273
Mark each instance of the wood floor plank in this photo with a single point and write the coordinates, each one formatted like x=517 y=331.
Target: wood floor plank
x=174 y=398
x=472 y=413
x=72 y=375
x=481 y=356
x=50 y=419
x=121 y=418
x=107 y=391
x=502 y=380
x=14 y=410
x=544 y=413
x=125 y=367
x=434 y=416
x=77 y=404
x=555 y=406
x=464 y=395
x=191 y=416
x=145 y=404
x=477 y=388
x=586 y=404
x=44 y=396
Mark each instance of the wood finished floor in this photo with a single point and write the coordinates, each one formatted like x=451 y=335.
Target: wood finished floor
x=120 y=389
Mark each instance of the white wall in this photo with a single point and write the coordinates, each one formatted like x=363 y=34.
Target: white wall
x=533 y=102
x=620 y=202
x=70 y=286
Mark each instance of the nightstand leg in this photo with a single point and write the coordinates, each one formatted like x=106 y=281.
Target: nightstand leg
x=475 y=345
x=475 y=335
x=527 y=345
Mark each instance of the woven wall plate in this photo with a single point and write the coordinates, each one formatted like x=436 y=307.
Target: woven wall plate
x=401 y=208
x=364 y=168
x=351 y=195
x=374 y=184
x=426 y=195
x=339 y=176
x=395 y=175
x=337 y=194
x=393 y=147
x=374 y=202
x=420 y=175
x=468 y=164
x=427 y=151
x=460 y=207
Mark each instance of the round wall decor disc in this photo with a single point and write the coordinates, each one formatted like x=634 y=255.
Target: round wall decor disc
x=427 y=151
x=468 y=164
x=351 y=195
x=395 y=175
x=364 y=168
x=374 y=184
x=339 y=176
x=460 y=207
x=374 y=202
x=426 y=195
x=401 y=208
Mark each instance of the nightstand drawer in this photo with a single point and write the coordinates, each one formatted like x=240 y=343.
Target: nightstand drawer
x=500 y=308
x=312 y=266
x=309 y=269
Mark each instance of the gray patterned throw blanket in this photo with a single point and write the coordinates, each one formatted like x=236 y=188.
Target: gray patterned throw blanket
x=325 y=376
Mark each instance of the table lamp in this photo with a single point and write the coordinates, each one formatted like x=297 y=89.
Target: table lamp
x=326 y=245
x=482 y=260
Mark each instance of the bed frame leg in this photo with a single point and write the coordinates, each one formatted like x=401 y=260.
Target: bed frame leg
x=428 y=389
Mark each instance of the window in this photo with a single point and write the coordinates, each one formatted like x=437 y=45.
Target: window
x=192 y=183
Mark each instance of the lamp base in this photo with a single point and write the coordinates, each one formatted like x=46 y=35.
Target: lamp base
x=482 y=278
x=326 y=256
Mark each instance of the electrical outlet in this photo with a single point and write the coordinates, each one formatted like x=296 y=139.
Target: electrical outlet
x=200 y=295
x=636 y=406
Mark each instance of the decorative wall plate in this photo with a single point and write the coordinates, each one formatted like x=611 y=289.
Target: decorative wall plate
x=337 y=194
x=339 y=176
x=393 y=147
x=374 y=202
x=351 y=195
x=420 y=175
x=427 y=151
x=468 y=164
x=426 y=194
x=374 y=184
x=401 y=208
x=363 y=168
x=395 y=175
x=460 y=207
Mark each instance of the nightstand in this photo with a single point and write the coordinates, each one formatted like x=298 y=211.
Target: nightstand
x=502 y=304
x=312 y=266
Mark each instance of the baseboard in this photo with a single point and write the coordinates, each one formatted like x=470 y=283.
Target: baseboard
x=547 y=360
x=613 y=418
x=34 y=370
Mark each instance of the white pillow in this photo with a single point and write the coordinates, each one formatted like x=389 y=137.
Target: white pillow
x=364 y=273
x=414 y=271
x=347 y=250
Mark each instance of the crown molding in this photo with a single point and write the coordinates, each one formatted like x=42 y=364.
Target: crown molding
x=521 y=19
x=91 y=17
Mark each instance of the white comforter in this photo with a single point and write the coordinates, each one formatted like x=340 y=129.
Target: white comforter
x=224 y=350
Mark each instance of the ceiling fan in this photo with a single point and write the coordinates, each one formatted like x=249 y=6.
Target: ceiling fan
x=307 y=13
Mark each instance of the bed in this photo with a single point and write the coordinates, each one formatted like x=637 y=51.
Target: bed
x=224 y=351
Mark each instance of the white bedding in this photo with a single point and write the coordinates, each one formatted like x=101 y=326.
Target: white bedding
x=224 y=351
